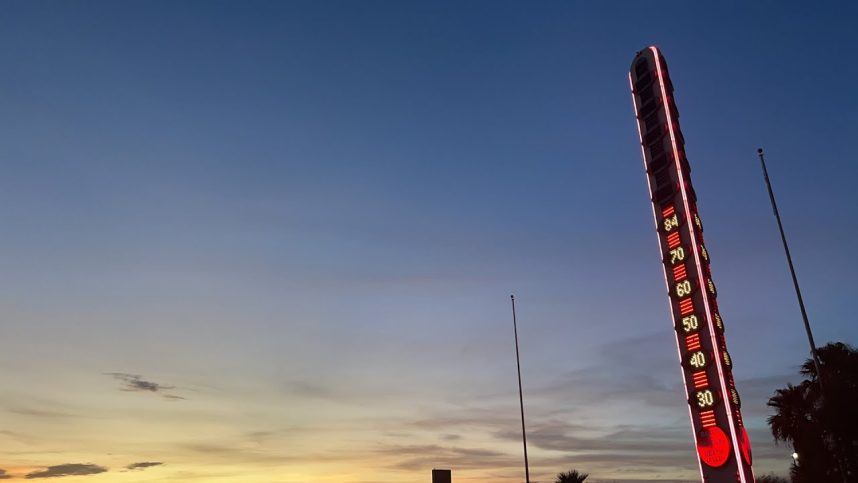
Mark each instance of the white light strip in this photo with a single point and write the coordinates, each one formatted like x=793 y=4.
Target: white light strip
x=736 y=451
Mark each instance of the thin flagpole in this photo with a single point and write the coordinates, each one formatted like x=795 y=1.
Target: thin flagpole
x=791 y=269
x=520 y=396
x=816 y=364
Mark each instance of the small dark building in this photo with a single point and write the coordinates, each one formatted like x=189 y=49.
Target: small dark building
x=442 y=476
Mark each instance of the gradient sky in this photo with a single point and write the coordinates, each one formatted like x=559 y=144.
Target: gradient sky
x=275 y=241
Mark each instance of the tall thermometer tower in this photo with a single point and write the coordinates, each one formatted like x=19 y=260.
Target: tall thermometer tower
x=723 y=448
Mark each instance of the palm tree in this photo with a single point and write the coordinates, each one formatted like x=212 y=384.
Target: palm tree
x=822 y=427
x=793 y=416
x=571 y=476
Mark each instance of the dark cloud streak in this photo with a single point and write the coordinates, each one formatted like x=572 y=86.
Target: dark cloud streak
x=136 y=383
x=143 y=465
x=68 y=469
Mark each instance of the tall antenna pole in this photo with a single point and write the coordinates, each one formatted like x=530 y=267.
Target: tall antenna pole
x=520 y=396
x=791 y=269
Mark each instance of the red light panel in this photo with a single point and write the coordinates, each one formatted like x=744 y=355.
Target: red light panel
x=668 y=211
x=700 y=380
x=707 y=418
x=692 y=342
x=679 y=273
x=686 y=306
x=673 y=240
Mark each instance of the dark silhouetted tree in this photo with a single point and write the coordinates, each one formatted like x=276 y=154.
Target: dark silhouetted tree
x=822 y=428
x=571 y=476
x=771 y=479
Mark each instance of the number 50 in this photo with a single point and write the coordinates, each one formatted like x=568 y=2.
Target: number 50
x=690 y=323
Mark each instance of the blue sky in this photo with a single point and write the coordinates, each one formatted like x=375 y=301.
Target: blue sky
x=305 y=220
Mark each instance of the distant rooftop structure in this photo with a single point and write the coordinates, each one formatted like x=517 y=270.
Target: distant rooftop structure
x=442 y=476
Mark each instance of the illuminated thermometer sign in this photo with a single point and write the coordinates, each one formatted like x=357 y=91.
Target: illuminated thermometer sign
x=723 y=449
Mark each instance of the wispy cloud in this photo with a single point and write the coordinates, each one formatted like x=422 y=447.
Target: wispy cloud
x=417 y=457
x=68 y=469
x=143 y=465
x=562 y=436
x=136 y=383
x=40 y=413
x=4 y=475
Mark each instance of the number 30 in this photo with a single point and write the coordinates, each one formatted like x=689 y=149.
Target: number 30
x=705 y=398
